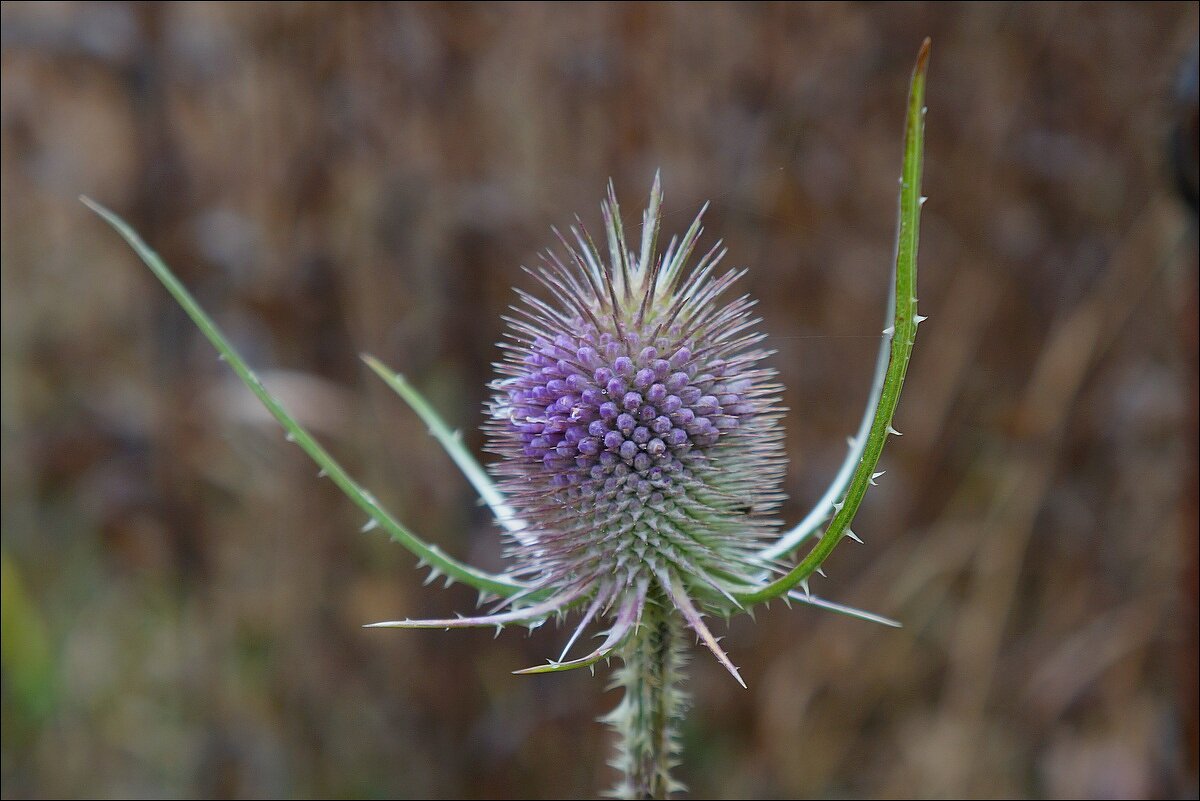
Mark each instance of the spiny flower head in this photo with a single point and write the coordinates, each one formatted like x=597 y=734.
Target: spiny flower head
x=641 y=455
x=640 y=435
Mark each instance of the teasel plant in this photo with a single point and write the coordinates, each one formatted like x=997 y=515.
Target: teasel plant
x=640 y=448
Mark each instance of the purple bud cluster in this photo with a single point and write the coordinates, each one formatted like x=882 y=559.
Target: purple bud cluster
x=598 y=410
x=639 y=430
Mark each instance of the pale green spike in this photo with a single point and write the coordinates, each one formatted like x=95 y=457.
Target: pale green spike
x=650 y=222
x=841 y=609
x=562 y=667
x=904 y=325
x=451 y=441
x=485 y=582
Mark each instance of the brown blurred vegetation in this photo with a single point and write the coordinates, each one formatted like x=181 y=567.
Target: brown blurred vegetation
x=182 y=598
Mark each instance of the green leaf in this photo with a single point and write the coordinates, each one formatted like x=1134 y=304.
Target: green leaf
x=903 y=333
x=430 y=554
x=25 y=652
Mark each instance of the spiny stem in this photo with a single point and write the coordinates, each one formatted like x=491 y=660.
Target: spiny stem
x=648 y=717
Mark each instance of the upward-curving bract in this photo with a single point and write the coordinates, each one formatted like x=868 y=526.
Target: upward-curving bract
x=438 y=561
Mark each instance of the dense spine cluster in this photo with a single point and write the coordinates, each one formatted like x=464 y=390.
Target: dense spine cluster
x=641 y=437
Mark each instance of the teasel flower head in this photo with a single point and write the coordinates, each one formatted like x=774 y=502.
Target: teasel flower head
x=641 y=455
x=639 y=429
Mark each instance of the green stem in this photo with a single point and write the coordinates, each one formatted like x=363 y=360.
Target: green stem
x=648 y=717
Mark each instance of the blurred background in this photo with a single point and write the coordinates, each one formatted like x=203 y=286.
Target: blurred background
x=182 y=598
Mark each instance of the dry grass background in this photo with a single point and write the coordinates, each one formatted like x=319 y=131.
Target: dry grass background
x=182 y=597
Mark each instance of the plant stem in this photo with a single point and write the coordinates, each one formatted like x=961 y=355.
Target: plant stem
x=648 y=717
